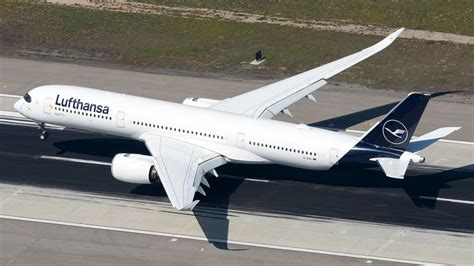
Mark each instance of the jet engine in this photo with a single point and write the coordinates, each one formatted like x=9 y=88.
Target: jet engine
x=200 y=102
x=134 y=168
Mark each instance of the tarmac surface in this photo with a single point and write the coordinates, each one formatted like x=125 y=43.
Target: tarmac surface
x=34 y=243
x=354 y=194
x=386 y=217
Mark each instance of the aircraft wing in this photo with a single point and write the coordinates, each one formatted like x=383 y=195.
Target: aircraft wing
x=181 y=167
x=271 y=99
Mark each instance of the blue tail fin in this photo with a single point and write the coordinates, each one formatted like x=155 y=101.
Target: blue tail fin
x=397 y=127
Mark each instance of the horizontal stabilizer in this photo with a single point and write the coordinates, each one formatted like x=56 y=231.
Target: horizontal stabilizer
x=394 y=168
x=426 y=140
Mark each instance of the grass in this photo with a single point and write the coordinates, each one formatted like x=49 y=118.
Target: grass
x=150 y=41
x=455 y=16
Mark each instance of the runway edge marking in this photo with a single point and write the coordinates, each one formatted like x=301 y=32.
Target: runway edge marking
x=74 y=160
x=10 y=96
x=448 y=200
x=463 y=142
x=242 y=243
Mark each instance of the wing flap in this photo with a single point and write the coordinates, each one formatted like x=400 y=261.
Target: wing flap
x=181 y=167
x=276 y=105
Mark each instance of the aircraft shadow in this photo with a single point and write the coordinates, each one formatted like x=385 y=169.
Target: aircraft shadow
x=349 y=120
x=101 y=147
x=418 y=184
x=213 y=216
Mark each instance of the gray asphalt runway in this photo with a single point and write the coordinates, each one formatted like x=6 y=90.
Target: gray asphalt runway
x=355 y=194
x=31 y=243
x=18 y=76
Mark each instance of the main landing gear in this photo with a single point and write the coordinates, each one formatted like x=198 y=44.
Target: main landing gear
x=44 y=134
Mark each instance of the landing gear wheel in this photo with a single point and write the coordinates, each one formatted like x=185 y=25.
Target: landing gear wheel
x=44 y=134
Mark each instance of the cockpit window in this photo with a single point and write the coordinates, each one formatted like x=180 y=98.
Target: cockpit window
x=27 y=98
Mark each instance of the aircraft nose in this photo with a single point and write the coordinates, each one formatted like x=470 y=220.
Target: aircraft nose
x=18 y=105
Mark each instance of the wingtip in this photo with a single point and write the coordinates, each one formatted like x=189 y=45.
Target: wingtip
x=453 y=128
x=397 y=33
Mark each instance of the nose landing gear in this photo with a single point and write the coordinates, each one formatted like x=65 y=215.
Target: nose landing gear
x=44 y=134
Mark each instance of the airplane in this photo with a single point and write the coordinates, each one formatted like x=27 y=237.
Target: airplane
x=188 y=141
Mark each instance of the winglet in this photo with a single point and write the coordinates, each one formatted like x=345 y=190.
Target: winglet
x=394 y=35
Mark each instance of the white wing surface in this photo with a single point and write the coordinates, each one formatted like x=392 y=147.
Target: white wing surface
x=267 y=101
x=181 y=167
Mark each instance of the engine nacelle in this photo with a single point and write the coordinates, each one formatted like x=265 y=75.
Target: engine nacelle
x=134 y=168
x=200 y=102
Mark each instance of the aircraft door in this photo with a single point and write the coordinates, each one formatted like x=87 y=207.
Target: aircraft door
x=121 y=119
x=48 y=106
x=334 y=156
x=240 y=140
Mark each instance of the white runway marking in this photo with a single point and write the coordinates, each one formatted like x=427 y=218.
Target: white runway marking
x=448 y=200
x=247 y=179
x=11 y=96
x=12 y=114
x=257 y=180
x=29 y=124
x=414 y=137
x=15 y=118
x=242 y=243
x=17 y=122
x=74 y=160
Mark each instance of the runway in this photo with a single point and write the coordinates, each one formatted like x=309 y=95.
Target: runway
x=28 y=243
x=352 y=194
x=353 y=211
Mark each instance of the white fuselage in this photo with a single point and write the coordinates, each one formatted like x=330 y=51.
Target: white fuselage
x=238 y=138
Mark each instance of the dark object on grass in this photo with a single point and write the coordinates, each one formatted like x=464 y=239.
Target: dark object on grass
x=258 y=56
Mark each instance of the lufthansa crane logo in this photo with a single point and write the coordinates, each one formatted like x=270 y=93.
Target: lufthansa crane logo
x=395 y=132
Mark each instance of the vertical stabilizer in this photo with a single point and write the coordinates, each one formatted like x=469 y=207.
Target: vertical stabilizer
x=397 y=127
